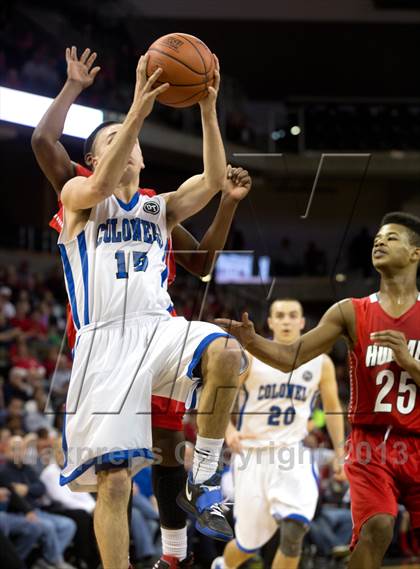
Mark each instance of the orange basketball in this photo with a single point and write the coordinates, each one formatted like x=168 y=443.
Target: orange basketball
x=187 y=64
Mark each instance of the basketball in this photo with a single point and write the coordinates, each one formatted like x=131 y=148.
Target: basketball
x=187 y=64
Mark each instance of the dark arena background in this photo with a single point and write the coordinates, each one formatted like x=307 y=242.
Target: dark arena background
x=319 y=101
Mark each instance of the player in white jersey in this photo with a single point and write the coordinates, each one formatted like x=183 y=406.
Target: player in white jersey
x=113 y=247
x=275 y=479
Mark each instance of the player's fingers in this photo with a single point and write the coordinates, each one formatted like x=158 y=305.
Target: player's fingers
x=216 y=82
x=246 y=182
x=160 y=89
x=85 y=55
x=245 y=318
x=73 y=53
x=229 y=171
x=67 y=54
x=227 y=323
x=153 y=78
x=94 y=72
x=91 y=60
x=141 y=66
x=236 y=172
x=217 y=62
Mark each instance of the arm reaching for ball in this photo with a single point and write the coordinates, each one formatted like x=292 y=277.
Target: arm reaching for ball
x=196 y=192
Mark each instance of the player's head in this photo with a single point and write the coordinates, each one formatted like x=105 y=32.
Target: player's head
x=286 y=320
x=99 y=140
x=397 y=243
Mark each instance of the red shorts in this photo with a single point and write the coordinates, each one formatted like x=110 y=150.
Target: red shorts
x=382 y=474
x=167 y=413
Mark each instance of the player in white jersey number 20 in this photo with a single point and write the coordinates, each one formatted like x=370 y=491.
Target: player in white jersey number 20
x=113 y=245
x=275 y=479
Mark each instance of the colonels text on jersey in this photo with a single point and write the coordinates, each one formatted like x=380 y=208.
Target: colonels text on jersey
x=57 y=224
x=383 y=394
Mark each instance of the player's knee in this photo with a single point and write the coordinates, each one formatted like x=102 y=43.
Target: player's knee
x=224 y=355
x=114 y=485
x=379 y=529
x=292 y=534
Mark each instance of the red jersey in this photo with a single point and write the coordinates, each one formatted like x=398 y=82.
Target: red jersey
x=382 y=393
x=57 y=224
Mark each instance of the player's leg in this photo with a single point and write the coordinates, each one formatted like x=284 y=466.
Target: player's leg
x=374 y=495
x=220 y=371
x=233 y=557
x=374 y=539
x=220 y=367
x=110 y=517
x=168 y=481
x=254 y=524
x=291 y=540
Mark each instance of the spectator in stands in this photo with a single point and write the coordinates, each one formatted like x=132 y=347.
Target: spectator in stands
x=59 y=366
x=77 y=505
x=58 y=531
x=23 y=533
x=27 y=374
x=315 y=260
x=13 y=419
x=287 y=262
x=5 y=435
x=6 y=307
x=360 y=252
x=40 y=73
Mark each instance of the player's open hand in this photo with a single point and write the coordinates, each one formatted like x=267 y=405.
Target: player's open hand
x=244 y=331
x=80 y=70
x=238 y=183
x=144 y=93
x=209 y=102
x=397 y=342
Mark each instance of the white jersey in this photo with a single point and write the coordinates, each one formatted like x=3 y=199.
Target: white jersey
x=275 y=406
x=115 y=268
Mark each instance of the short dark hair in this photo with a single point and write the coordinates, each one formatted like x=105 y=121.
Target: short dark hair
x=285 y=299
x=89 y=142
x=407 y=220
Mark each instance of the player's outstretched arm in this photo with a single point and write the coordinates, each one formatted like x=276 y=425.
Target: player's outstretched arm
x=321 y=339
x=334 y=415
x=83 y=193
x=199 y=258
x=196 y=192
x=50 y=154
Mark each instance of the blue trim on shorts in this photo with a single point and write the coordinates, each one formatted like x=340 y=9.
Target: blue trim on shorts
x=81 y=240
x=70 y=284
x=107 y=457
x=200 y=349
x=315 y=474
x=64 y=440
x=298 y=518
x=163 y=276
x=243 y=548
x=242 y=409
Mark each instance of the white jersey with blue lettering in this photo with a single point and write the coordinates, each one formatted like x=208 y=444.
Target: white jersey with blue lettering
x=275 y=406
x=115 y=268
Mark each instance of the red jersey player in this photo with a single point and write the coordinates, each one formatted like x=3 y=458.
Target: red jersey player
x=383 y=334
x=196 y=257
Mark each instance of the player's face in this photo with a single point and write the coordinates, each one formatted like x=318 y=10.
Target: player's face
x=286 y=321
x=392 y=248
x=102 y=142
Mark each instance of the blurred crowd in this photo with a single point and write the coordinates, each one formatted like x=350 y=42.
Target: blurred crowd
x=31 y=60
x=44 y=525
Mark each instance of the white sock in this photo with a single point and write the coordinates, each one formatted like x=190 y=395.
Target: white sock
x=206 y=458
x=174 y=542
